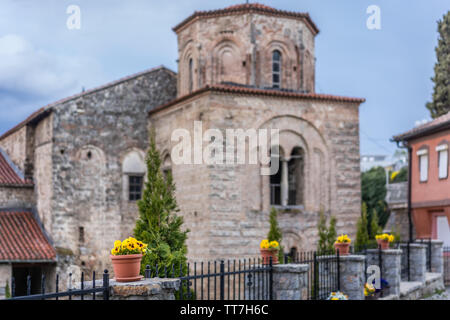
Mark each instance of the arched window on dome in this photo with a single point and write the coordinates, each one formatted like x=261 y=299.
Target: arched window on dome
x=191 y=75
x=276 y=69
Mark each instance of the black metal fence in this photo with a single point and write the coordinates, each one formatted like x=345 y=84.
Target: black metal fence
x=68 y=294
x=323 y=274
x=247 y=279
x=446 y=265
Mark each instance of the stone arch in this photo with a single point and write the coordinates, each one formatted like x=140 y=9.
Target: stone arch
x=288 y=54
x=291 y=239
x=133 y=164
x=188 y=65
x=227 y=61
x=298 y=132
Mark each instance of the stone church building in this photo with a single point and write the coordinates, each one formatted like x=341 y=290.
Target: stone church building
x=79 y=163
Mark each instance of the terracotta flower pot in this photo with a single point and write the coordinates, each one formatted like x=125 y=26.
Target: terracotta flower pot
x=383 y=243
x=127 y=267
x=266 y=254
x=344 y=248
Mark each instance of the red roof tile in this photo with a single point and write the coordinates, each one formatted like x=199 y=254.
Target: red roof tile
x=440 y=123
x=236 y=89
x=9 y=176
x=22 y=239
x=247 y=8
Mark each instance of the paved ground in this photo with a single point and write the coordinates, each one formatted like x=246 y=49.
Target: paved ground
x=444 y=296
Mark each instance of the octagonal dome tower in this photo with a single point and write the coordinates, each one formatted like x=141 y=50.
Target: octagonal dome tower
x=248 y=44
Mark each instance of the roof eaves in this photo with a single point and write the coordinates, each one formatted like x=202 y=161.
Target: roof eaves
x=258 y=91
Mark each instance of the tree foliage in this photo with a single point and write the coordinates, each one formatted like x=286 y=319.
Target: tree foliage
x=400 y=176
x=373 y=192
x=441 y=95
x=275 y=232
x=158 y=225
x=362 y=233
x=327 y=235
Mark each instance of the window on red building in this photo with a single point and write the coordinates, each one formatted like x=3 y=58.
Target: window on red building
x=423 y=164
x=443 y=160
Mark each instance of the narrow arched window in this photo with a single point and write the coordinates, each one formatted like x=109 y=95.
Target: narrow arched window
x=296 y=177
x=275 y=178
x=191 y=75
x=276 y=69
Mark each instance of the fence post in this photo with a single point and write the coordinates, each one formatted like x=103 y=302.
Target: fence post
x=338 y=271
x=43 y=285
x=408 y=262
x=315 y=274
x=13 y=287
x=28 y=285
x=222 y=280
x=105 y=285
x=429 y=255
x=271 y=279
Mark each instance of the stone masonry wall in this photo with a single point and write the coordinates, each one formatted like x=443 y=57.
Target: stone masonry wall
x=15 y=145
x=238 y=48
x=5 y=277
x=227 y=206
x=16 y=197
x=91 y=134
x=290 y=282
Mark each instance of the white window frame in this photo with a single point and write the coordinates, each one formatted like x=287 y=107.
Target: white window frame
x=423 y=171
x=442 y=166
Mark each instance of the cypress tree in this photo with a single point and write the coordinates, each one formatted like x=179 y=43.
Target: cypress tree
x=275 y=232
x=332 y=234
x=158 y=224
x=323 y=233
x=362 y=234
x=441 y=95
x=374 y=225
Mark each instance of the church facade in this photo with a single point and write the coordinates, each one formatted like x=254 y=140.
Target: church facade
x=243 y=67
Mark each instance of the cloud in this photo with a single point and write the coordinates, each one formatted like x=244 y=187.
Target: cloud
x=33 y=72
x=31 y=77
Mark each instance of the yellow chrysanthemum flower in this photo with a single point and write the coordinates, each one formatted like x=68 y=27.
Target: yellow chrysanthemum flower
x=274 y=244
x=264 y=244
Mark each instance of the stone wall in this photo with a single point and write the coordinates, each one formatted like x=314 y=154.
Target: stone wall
x=90 y=135
x=42 y=170
x=238 y=48
x=16 y=197
x=437 y=256
x=417 y=261
x=352 y=278
x=290 y=282
x=390 y=267
x=227 y=206
x=147 y=289
x=15 y=145
x=5 y=277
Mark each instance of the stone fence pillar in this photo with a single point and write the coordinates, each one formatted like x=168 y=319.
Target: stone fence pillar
x=146 y=289
x=352 y=277
x=290 y=282
x=437 y=254
x=417 y=261
x=391 y=267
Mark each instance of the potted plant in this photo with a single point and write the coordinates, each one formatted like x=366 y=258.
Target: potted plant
x=384 y=240
x=369 y=291
x=269 y=249
x=343 y=245
x=126 y=259
x=337 y=296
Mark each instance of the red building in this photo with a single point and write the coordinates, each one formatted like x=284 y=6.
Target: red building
x=429 y=196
